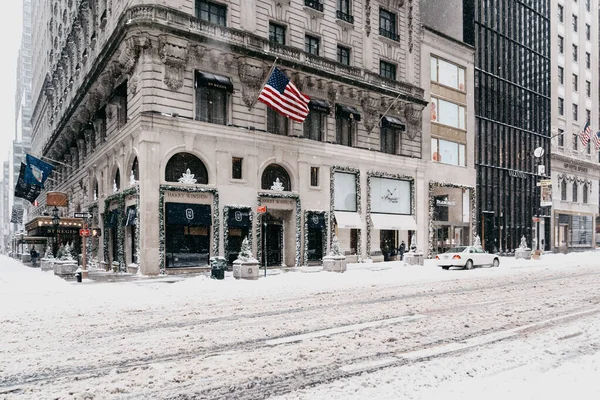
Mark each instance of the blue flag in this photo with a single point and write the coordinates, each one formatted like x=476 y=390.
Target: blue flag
x=36 y=171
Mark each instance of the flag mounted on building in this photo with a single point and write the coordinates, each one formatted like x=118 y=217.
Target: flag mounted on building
x=26 y=190
x=281 y=95
x=596 y=138
x=585 y=135
x=36 y=171
x=17 y=215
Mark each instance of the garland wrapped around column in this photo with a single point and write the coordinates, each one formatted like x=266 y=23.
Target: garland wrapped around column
x=226 y=210
x=356 y=172
x=161 y=217
x=120 y=198
x=381 y=174
x=472 y=198
x=326 y=219
x=89 y=242
x=294 y=196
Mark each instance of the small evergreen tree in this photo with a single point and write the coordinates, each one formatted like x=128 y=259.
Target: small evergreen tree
x=335 y=247
x=48 y=253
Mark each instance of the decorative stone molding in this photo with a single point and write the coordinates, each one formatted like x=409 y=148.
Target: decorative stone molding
x=413 y=114
x=252 y=73
x=88 y=134
x=81 y=150
x=129 y=55
x=368 y=17
x=332 y=89
x=370 y=105
x=174 y=54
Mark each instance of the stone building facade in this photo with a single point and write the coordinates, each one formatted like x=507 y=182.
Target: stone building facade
x=151 y=111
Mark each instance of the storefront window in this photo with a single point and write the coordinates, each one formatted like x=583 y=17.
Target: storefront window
x=447 y=152
x=447 y=113
x=447 y=74
x=390 y=196
x=451 y=218
x=345 y=191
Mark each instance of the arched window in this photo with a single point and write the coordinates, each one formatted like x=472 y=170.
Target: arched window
x=575 y=189
x=179 y=165
x=585 y=193
x=275 y=177
x=135 y=169
x=563 y=190
x=117 y=181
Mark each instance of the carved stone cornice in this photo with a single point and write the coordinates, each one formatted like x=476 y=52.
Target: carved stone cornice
x=252 y=74
x=414 y=116
x=370 y=104
x=174 y=54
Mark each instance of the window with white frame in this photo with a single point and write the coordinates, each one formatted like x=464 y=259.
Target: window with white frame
x=447 y=74
x=447 y=113
x=447 y=152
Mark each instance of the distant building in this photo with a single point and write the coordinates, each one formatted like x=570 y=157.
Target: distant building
x=512 y=104
x=575 y=100
x=152 y=109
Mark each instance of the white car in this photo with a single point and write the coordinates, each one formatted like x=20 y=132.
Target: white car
x=466 y=257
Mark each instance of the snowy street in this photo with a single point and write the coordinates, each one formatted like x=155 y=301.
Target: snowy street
x=384 y=331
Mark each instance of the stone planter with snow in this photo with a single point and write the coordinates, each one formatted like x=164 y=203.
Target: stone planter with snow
x=523 y=253
x=47 y=264
x=132 y=268
x=334 y=263
x=414 y=258
x=246 y=269
x=65 y=268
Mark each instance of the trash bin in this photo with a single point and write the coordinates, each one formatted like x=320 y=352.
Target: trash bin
x=217 y=267
x=78 y=275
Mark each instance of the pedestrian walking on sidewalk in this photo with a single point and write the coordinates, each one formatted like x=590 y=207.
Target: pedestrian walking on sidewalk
x=401 y=250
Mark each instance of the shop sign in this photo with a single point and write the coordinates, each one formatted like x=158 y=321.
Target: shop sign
x=50 y=231
x=390 y=196
x=545 y=193
x=186 y=195
x=517 y=174
x=444 y=203
x=576 y=168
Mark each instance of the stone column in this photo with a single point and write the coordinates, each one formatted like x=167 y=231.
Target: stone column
x=81 y=151
x=68 y=170
x=74 y=159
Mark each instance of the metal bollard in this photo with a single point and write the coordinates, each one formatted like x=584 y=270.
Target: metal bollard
x=78 y=275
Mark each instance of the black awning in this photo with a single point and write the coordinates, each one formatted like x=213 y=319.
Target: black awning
x=392 y=122
x=239 y=219
x=189 y=214
x=112 y=218
x=130 y=216
x=347 y=112
x=316 y=220
x=319 y=105
x=214 y=81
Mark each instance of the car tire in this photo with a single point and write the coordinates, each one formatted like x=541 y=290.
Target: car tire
x=496 y=263
x=469 y=264
x=446 y=268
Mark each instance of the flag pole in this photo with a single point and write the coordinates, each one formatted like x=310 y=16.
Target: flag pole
x=389 y=108
x=49 y=159
x=264 y=83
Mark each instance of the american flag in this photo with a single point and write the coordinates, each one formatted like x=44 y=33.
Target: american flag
x=282 y=96
x=597 y=140
x=585 y=135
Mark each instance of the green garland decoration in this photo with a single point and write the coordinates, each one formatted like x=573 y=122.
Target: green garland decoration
x=381 y=174
x=306 y=217
x=356 y=172
x=161 y=217
x=120 y=198
x=295 y=196
x=226 y=210
x=473 y=199
x=89 y=242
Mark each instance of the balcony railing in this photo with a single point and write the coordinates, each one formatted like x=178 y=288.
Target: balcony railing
x=314 y=4
x=389 y=34
x=345 y=17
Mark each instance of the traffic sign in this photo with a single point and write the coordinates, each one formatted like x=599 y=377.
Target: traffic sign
x=82 y=215
x=85 y=232
x=261 y=209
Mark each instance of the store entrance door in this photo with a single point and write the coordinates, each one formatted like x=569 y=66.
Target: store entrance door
x=273 y=241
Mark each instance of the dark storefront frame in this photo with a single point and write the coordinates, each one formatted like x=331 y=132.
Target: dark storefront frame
x=309 y=225
x=512 y=108
x=245 y=223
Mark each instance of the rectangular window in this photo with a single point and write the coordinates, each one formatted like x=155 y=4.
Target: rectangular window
x=344 y=11
x=236 y=167
x=388 y=140
x=314 y=4
x=561 y=45
x=561 y=107
x=311 y=45
x=574 y=23
x=589 y=147
x=575 y=112
x=447 y=74
x=587 y=5
x=343 y=55
x=344 y=185
x=211 y=12
x=588 y=32
x=575 y=54
x=575 y=83
x=314 y=125
x=447 y=113
x=561 y=138
x=561 y=75
x=344 y=129
x=387 y=25
x=277 y=33
x=588 y=115
x=276 y=123
x=211 y=105
x=314 y=176
x=588 y=89
x=447 y=152
x=575 y=142
x=387 y=70
x=588 y=60
x=561 y=13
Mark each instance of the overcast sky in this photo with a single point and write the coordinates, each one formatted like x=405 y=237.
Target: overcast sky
x=10 y=32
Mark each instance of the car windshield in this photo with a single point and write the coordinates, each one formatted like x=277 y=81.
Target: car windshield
x=457 y=249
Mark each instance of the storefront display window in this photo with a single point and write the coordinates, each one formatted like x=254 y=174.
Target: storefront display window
x=451 y=218
x=345 y=191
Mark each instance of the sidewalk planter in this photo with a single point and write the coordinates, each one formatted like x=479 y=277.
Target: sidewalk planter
x=25 y=258
x=414 y=258
x=132 y=269
x=65 y=268
x=245 y=269
x=334 y=263
x=115 y=266
x=47 y=264
x=525 y=254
